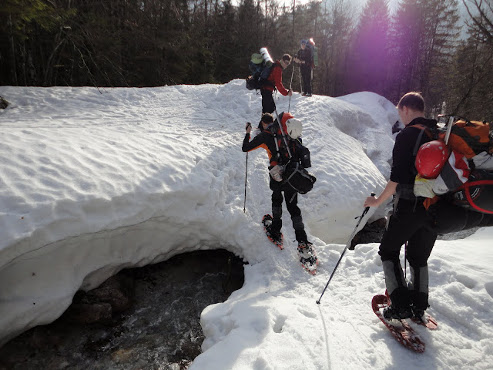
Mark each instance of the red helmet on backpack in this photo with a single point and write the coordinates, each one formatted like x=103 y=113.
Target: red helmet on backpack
x=431 y=158
x=284 y=117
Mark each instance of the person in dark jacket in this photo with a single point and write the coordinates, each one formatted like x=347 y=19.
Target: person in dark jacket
x=410 y=222
x=267 y=139
x=274 y=81
x=415 y=220
x=305 y=59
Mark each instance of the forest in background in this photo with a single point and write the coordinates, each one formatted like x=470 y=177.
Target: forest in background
x=419 y=47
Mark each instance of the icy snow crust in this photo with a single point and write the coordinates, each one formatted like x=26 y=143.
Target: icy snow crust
x=96 y=180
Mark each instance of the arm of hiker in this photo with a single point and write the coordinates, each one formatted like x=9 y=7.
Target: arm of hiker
x=256 y=142
x=386 y=194
x=278 y=81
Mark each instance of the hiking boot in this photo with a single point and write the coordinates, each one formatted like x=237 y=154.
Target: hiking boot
x=275 y=237
x=418 y=314
x=397 y=313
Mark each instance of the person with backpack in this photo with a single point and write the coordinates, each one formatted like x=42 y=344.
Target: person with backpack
x=274 y=81
x=411 y=222
x=270 y=138
x=304 y=58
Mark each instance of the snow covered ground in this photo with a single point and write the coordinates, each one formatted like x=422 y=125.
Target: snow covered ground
x=96 y=180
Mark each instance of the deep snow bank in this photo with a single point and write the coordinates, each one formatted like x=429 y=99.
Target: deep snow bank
x=94 y=181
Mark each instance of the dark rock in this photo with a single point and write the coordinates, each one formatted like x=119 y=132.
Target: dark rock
x=88 y=313
x=370 y=233
x=3 y=103
x=118 y=291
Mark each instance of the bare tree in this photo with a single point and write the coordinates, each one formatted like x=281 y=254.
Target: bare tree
x=481 y=18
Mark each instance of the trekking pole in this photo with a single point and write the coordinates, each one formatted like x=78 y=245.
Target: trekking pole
x=405 y=260
x=345 y=249
x=283 y=134
x=290 y=84
x=246 y=177
x=301 y=86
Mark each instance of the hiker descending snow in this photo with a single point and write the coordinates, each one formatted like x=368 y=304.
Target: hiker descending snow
x=269 y=138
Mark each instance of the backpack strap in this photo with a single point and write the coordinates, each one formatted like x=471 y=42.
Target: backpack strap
x=423 y=129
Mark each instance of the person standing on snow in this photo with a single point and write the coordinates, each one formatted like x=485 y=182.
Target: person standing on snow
x=266 y=139
x=274 y=81
x=410 y=222
x=305 y=59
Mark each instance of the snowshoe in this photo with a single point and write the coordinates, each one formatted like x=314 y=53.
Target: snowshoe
x=308 y=257
x=277 y=239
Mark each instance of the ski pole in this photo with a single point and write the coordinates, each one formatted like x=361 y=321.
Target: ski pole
x=246 y=175
x=344 y=251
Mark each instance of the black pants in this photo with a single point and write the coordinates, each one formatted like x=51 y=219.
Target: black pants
x=306 y=76
x=291 y=204
x=268 y=105
x=413 y=224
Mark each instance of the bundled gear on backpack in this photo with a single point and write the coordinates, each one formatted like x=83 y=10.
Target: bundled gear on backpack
x=292 y=157
x=314 y=50
x=261 y=65
x=459 y=165
x=471 y=138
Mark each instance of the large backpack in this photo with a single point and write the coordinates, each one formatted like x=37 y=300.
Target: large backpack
x=293 y=157
x=314 y=50
x=468 y=182
x=260 y=66
x=477 y=193
x=470 y=138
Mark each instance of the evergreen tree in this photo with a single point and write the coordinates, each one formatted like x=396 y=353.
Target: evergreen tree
x=481 y=18
x=336 y=29
x=369 y=55
x=470 y=92
x=424 y=36
x=32 y=32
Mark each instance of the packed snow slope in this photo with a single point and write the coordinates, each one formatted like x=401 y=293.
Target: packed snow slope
x=97 y=180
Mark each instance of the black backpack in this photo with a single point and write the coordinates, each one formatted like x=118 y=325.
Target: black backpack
x=295 y=174
x=294 y=161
